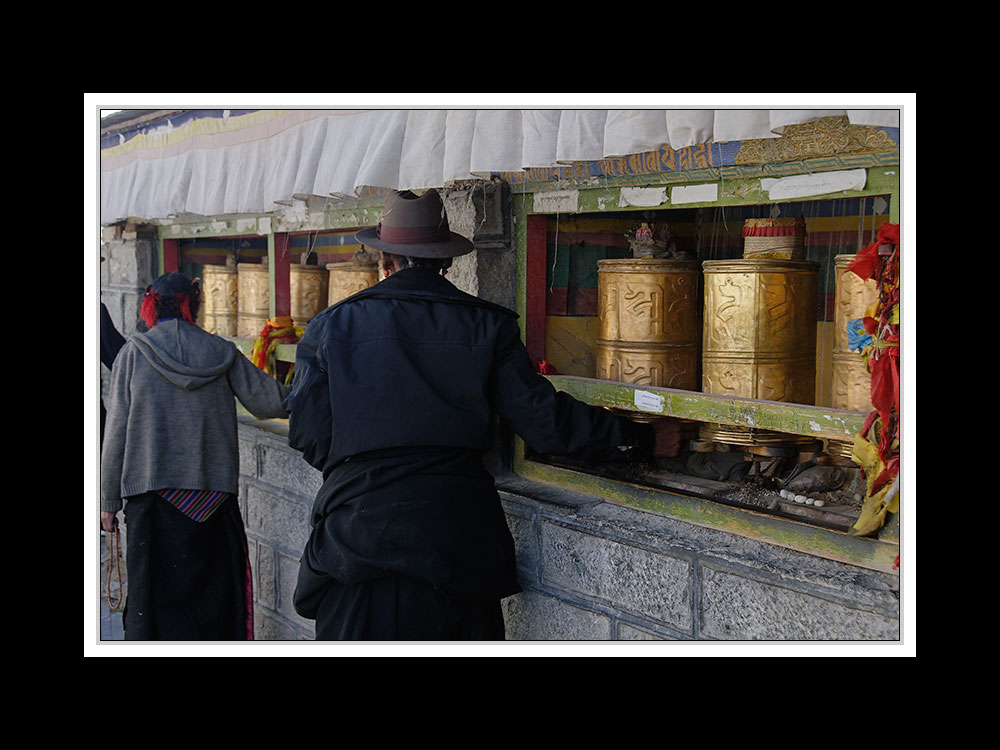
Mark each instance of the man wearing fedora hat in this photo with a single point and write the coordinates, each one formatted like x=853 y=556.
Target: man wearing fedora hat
x=394 y=397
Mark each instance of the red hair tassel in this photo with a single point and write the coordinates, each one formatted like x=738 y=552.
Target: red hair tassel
x=185 y=300
x=148 y=309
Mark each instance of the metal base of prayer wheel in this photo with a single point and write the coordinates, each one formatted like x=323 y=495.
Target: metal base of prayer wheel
x=840 y=448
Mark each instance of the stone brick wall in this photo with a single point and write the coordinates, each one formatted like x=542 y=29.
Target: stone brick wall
x=129 y=264
x=590 y=570
x=277 y=488
x=597 y=571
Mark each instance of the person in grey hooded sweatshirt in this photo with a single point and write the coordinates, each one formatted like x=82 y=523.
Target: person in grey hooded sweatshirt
x=171 y=459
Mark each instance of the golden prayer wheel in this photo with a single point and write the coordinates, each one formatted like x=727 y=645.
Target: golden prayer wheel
x=220 y=299
x=349 y=278
x=780 y=237
x=649 y=331
x=254 y=285
x=851 y=379
x=308 y=290
x=759 y=329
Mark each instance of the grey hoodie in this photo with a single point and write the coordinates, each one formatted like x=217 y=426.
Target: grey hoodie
x=172 y=415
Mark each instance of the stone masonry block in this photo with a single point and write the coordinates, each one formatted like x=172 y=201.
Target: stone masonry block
x=628 y=632
x=264 y=584
x=525 y=542
x=534 y=616
x=463 y=273
x=131 y=305
x=248 y=457
x=480 y=212
x=495 y=274
x=288 y=572
x=734 y=607
x=653 y=586
x=266 y=627
x=285 y=468
x=277 y=520
x=130 y=263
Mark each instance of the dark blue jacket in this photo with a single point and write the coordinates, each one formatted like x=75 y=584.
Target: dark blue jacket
x=393 y=399
x=413 y=361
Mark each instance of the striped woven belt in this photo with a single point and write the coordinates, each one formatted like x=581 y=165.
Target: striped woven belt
x=198 y=505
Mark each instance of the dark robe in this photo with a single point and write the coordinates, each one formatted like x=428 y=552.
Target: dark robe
x=187 y=580
x=394 y=399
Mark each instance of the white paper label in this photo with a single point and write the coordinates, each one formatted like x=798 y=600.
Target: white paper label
x=822 y=183
x=707 y=193
x=642 y=197
x=557 y=202
x=646 y=401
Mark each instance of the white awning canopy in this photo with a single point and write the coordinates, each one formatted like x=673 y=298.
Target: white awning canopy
x=212 y=162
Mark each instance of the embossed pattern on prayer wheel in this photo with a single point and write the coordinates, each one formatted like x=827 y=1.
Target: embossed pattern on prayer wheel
x=759 y=331
x=350 y=277
x=308 y=289
x=254 y=299
x=851 y=379
x=220 y=299
x=649 y=331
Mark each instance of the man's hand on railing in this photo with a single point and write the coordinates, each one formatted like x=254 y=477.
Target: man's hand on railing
x=669 y=435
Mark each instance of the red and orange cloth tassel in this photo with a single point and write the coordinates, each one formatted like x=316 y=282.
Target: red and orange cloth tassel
x=280 y=330
x=876 y=449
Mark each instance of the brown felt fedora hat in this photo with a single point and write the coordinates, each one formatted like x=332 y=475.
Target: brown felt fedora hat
x=417 y=226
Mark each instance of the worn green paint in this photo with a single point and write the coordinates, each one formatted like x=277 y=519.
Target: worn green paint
x=282 y=352
x=733 y=172
x=362 y=215
x=521 y=207
x=347 y=216
x=228 y=225
x=737 y=190
x=796 y=419
x=834 y=545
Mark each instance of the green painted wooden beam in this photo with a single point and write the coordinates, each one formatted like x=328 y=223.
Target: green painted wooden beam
x=796 y=419
x=282 y=352
x=868 y=553
x=228 y=225
x=733 y=191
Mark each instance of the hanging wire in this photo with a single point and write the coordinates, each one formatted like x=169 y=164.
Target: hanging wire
x=834 y=246
x=861 y=223
x=555 y=255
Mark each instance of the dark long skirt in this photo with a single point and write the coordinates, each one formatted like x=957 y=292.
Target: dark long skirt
x=408 y=544
x=187 y=580
x=397 y=608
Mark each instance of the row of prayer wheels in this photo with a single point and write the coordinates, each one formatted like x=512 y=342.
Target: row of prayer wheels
x=237 y=299
x=748 y=325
